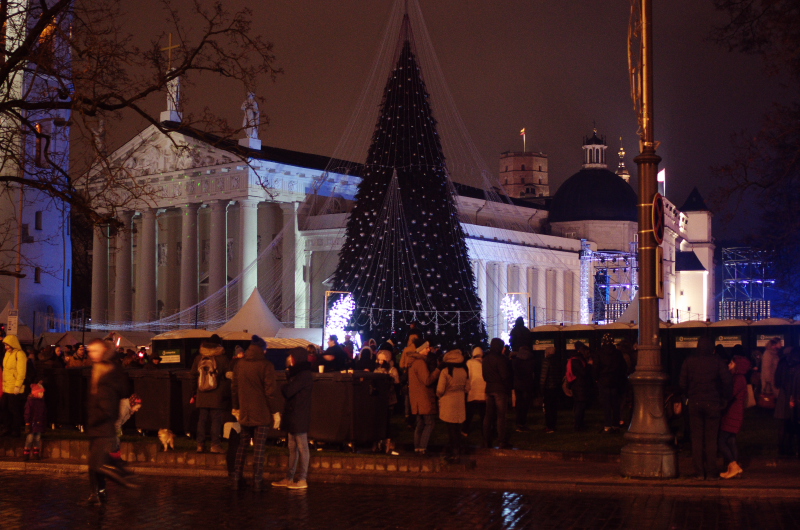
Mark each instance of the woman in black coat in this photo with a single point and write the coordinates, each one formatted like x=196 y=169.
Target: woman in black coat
x=297 y=417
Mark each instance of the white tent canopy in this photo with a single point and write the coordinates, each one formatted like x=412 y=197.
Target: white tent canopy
x=254 y=317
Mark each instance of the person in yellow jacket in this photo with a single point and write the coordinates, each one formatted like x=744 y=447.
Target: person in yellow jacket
x=15 y=364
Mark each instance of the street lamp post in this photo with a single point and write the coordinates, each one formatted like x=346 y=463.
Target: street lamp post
x=648 y=453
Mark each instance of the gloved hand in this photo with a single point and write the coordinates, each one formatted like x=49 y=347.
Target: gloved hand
x=276 y=419
x=229 y=375
x=235 y=413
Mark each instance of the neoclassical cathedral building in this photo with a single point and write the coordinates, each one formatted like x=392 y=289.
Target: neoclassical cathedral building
x=228 y=217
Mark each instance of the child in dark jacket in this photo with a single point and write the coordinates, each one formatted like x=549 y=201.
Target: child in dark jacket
x=297 y=418
x=35 y=420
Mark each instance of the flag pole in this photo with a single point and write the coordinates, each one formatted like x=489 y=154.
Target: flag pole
x=524 y=145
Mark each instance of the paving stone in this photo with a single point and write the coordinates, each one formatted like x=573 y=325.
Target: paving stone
x=184 y=503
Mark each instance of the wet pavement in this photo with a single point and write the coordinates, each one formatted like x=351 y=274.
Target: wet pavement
x=58 y=501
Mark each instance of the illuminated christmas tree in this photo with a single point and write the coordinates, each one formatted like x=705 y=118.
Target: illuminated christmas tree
x=405 y=255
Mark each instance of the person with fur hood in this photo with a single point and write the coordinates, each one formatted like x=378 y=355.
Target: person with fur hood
x=452 y=390
x=422 y=396
x=212 y=391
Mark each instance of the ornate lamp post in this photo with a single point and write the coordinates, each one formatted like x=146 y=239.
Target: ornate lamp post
x=648 y=453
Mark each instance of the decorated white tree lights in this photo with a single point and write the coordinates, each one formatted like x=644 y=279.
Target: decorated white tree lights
x=512 y=309
x=339 y=315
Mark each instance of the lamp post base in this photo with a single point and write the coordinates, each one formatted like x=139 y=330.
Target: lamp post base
x=649 y=461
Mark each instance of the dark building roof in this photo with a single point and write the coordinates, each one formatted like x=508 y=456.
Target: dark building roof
x=476 y=193
x=687 y=261
x=273 y=154
x=594 y=195
x=694 y=203
x=594 y=139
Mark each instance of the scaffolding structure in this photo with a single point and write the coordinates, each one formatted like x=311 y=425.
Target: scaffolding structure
x=615 y=283
x=745 y=278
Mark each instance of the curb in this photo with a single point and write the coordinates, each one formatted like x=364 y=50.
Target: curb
x=450 y=479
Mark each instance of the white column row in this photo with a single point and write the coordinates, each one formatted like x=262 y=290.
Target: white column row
x=145 y=299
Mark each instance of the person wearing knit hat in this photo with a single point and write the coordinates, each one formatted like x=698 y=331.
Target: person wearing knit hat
x=35 y=421
x=254 y=400
x=422 y=396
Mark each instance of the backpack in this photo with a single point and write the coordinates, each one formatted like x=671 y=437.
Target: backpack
x=207 y=379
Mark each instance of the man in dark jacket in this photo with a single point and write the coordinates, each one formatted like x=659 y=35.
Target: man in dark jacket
x=523 y=364
x=520 y=336
x=707 y=383
x=611 y=376
x=254 y=395
x=297 y=417
x=107 y=388
x=550 y=382
x=334 y=359
x=580 y=382
x=212 y=403
x=499 y=382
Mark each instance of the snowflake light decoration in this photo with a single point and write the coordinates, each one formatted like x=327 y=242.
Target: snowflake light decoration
x=339 y=317
x=512 y=309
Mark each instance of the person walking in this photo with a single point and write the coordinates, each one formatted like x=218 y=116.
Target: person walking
x=499 y=383
x=297 y=393
x=452 y=390
x=524 y=368
x=421 y=395
x=212 y=391
x=550 y=382
x=15 y=369
x=107 y=388
x=733 y=418
x=476 y=397
x=707 y=383
x=255 y=404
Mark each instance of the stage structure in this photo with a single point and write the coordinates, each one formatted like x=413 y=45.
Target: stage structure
x=745 y=281
x=405 y=255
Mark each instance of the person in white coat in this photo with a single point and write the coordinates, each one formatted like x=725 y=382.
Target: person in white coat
x=452 y=391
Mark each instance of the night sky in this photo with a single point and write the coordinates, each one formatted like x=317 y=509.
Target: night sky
x=553 y=67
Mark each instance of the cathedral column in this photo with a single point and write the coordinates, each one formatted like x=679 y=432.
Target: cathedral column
x=248 y=247
x=502 y=289
x=100 y=274
x=560 y=295
x=123 y=289
x=522 y=285
x=480 y=288
x=289 y=260
x=217 y=259
x=146 y=271
x=189 y=256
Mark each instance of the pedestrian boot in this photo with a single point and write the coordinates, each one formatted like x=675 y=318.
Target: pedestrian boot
x=299 y=485
x=733 y=471
x=36 y=454
x=284 y=483
x=26 y=455
x=216 y=449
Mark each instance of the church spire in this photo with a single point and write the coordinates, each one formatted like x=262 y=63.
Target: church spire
x=173 y=112
x=594 y=151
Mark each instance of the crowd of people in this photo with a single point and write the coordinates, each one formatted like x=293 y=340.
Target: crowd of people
x=237 y=397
